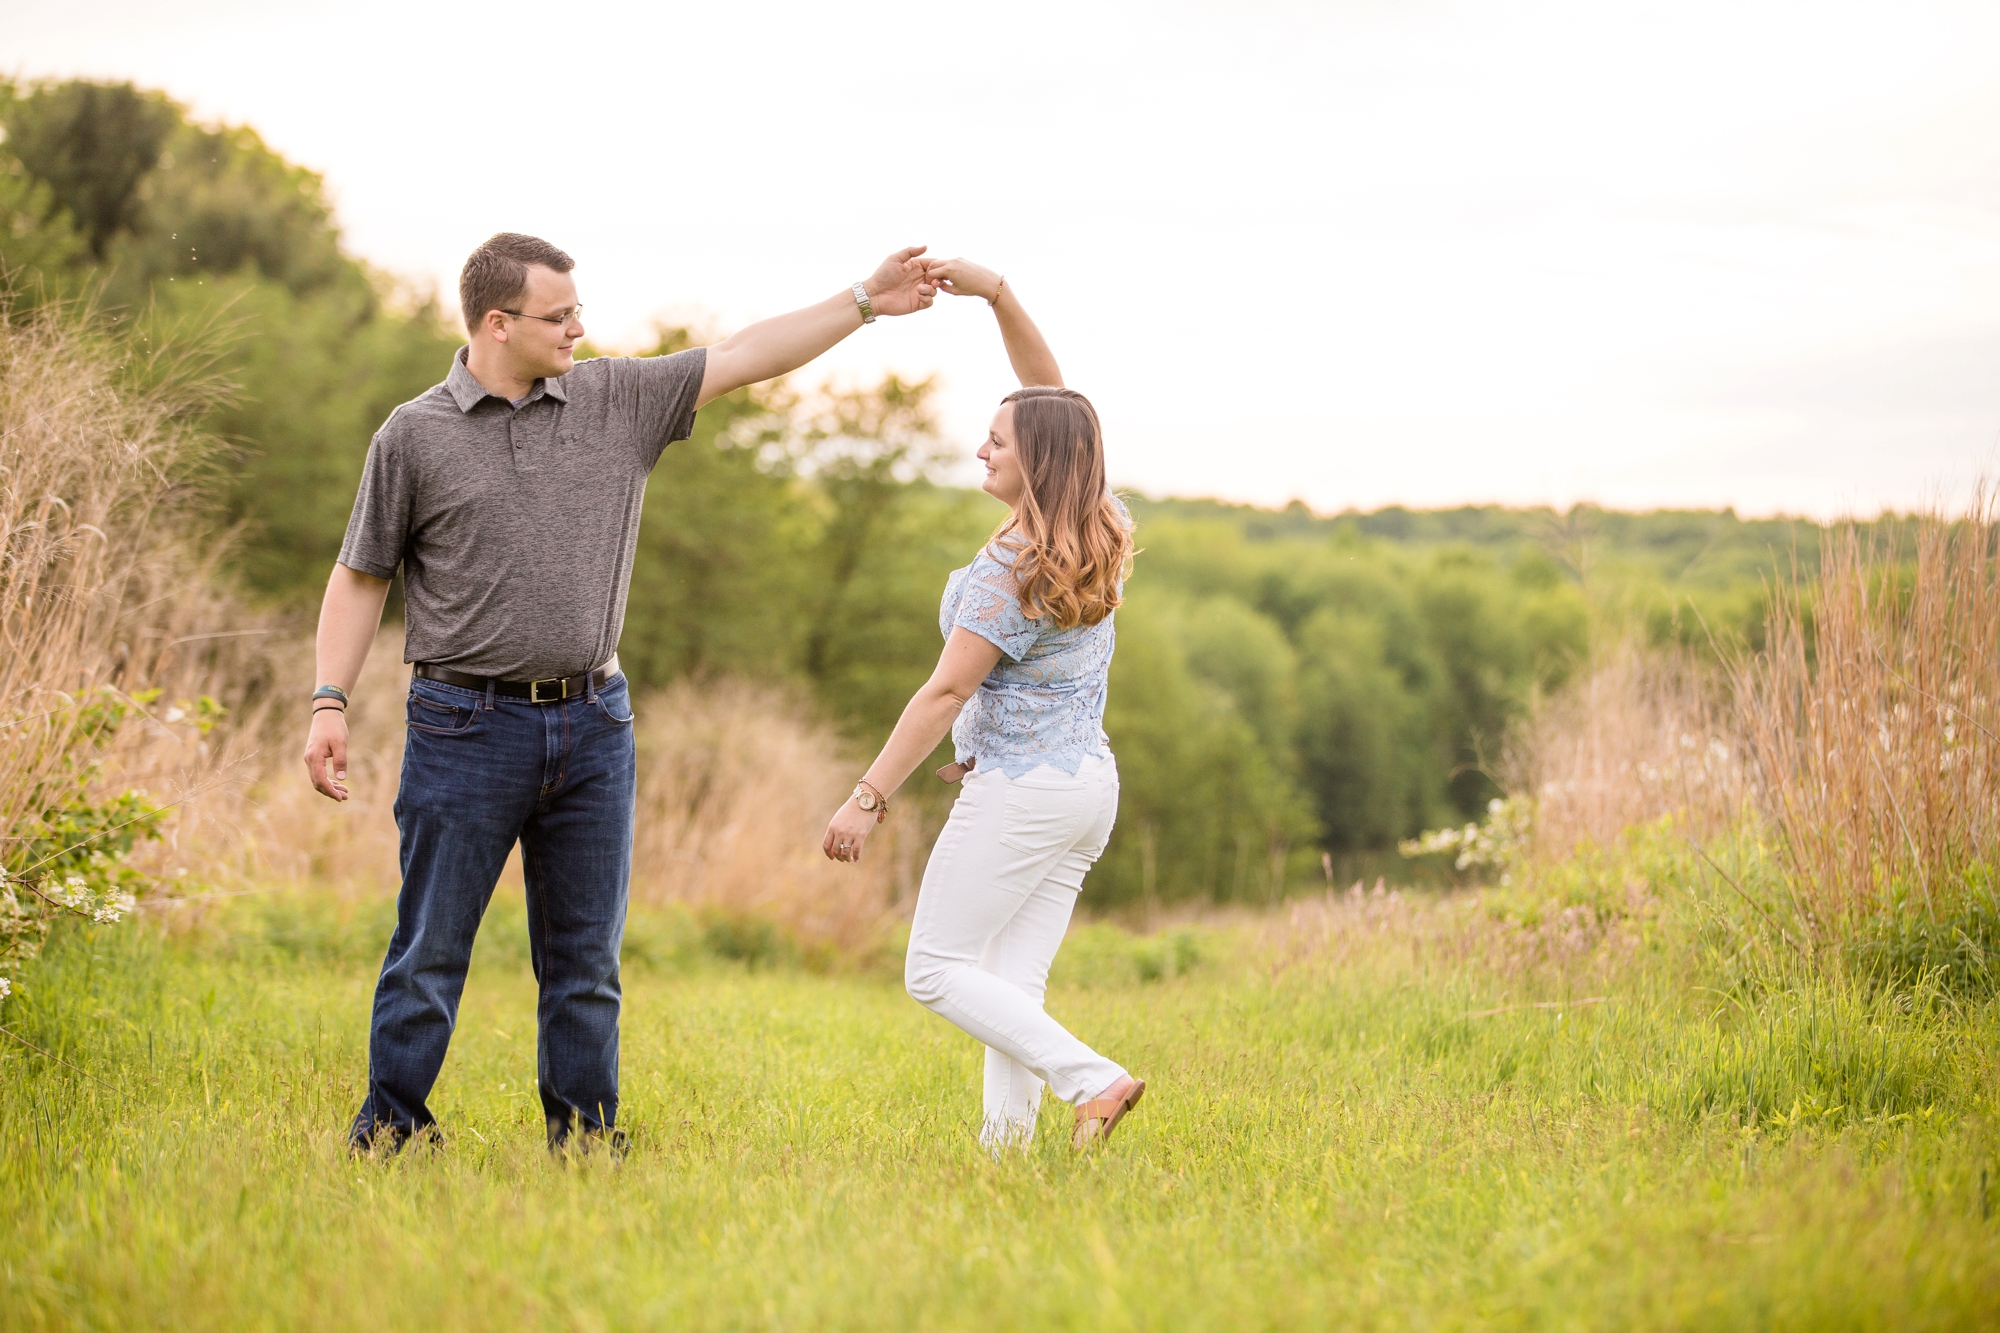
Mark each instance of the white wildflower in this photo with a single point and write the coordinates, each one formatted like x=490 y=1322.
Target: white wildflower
x=1498 y=842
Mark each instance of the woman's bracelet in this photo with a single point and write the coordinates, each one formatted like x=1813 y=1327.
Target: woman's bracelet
x=870 y=799
x=998 y=288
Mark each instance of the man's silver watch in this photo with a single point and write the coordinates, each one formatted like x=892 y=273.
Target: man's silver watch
x=861 y=299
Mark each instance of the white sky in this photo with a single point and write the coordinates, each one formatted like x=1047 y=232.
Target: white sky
x=1691 y=253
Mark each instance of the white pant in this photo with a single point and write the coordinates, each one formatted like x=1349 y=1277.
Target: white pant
x=996 y=900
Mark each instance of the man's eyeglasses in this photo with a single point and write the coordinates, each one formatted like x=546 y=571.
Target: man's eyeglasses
x=574 y=312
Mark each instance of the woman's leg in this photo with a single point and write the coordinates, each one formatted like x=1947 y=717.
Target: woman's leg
x=1005 y=840
x=1021 y=954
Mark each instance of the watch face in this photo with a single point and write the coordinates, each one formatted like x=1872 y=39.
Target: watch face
x=865 y=799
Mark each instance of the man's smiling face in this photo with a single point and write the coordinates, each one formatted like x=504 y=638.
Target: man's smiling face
x=539 y=348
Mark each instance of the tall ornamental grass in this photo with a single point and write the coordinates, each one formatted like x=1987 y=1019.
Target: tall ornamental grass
x=736 y=783
x=107 y=605
x=1848 y=771
x=1871 y=719
x=1644 y=733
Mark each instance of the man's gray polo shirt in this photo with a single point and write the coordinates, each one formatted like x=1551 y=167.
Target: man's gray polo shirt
x=515 y=526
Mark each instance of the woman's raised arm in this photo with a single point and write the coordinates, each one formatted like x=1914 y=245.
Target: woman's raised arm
x=1029 y=352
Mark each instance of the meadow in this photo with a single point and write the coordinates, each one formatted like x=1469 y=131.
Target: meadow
x=1355 y=1120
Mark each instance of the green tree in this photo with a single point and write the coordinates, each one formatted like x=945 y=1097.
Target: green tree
x=1363 y=734
x=722 y=571
x=178 y=224
x=40 y=252
x=1247 y=656
x=1205 y=810
x=92 y=145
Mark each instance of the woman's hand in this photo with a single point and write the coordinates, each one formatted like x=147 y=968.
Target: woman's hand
x=962 y=277
x=1027 y=351
x=847 y=830
x=966 y=661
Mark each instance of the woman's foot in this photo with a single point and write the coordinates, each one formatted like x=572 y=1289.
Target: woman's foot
x=1096 y=1118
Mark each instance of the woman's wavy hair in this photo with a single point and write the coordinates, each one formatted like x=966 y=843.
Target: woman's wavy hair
x=1071 y=545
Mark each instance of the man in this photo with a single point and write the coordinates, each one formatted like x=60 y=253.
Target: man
x=510 y=494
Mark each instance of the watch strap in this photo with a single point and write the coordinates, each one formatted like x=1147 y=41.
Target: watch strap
x=861 y=299
x=868 y=798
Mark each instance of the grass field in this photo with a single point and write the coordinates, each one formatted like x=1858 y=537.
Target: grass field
x=1345 y=1137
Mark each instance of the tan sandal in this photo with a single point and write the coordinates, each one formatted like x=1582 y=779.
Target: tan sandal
x=1096 y=1118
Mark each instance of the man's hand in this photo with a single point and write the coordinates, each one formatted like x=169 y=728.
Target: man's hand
x=347 y=622
x=326 y=753
x=902 y=284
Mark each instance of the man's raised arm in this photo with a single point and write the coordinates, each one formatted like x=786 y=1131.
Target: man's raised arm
x=783 y=343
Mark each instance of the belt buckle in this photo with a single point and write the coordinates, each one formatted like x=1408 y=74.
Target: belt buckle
x=535 y=695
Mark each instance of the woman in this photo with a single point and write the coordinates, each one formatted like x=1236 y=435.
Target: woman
x=1021 y=687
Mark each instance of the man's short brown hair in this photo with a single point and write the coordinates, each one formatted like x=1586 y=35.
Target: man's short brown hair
x=496 y=274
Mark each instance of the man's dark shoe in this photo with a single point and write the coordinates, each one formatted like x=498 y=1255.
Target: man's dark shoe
x=569 y=1137
x=378 y=1138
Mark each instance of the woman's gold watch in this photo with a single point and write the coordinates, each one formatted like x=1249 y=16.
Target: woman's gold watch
x=874 y=802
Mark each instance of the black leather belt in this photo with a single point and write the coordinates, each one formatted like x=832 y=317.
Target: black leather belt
x=553 y=690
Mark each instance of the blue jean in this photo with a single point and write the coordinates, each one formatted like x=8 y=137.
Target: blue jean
x=479 y=774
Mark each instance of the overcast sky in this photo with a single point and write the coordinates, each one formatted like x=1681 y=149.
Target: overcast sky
x=1689 y=253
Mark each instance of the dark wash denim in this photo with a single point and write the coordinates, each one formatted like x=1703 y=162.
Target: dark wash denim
x=479 y=773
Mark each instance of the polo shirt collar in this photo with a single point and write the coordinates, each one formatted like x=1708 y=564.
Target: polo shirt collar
x=467 y=391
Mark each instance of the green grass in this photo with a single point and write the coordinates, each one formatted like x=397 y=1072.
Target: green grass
x=1320 y=1147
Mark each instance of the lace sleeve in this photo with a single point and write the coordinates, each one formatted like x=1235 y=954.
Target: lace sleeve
x=991 y=608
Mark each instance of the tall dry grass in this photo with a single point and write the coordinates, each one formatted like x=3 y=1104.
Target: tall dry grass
x=1861 y=744
x=736 y=781
x=1872 y=717
x=105 y=579
x=266 y=828
x=1643 y=733
x=91 y=473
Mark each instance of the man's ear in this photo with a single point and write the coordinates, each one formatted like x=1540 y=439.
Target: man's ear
x=496 y=326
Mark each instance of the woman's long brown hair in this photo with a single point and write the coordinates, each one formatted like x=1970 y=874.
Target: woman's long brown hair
x=1071 y=547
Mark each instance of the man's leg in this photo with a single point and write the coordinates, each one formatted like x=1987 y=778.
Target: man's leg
x=464 y=792
x=576 y=850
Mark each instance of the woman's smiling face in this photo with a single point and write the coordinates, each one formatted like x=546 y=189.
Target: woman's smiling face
x=1004 y=480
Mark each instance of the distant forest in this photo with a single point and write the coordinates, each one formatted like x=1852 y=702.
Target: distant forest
x=1285 y=682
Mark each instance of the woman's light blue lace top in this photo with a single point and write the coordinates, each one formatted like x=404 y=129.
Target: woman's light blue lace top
x=1044 y=702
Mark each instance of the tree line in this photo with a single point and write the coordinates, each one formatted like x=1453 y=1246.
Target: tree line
x=1285 y=684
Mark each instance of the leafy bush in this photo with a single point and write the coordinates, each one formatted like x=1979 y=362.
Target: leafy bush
x=70 y=859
